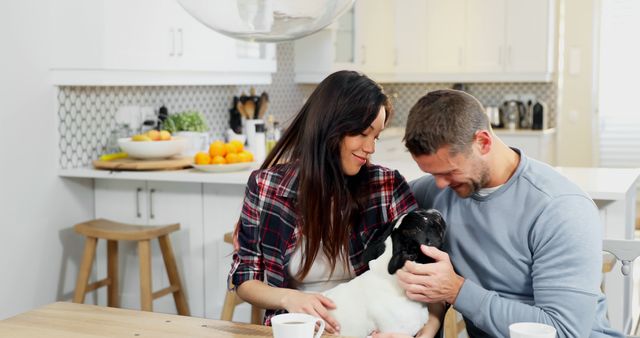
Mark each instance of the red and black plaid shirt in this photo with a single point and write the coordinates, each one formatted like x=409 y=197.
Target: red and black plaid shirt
x=269 y=224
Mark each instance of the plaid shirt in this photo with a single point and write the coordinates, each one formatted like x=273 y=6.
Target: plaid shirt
x=270 y=228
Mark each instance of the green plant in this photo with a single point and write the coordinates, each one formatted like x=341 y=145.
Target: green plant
x=186 y=121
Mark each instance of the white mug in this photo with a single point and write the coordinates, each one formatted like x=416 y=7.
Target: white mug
x=296 y=325
x=531 y=330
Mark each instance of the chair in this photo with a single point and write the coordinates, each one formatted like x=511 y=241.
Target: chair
x=453 y=324
x=114 y=232
x=231 y=299
x=625 y=251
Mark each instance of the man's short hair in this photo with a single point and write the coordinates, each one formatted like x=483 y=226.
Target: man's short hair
x=444 y=117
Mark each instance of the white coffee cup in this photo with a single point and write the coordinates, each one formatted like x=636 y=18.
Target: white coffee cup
x=531 y=330
x=296 y=325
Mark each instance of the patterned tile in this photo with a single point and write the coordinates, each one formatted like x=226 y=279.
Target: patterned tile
x=490 y=94
x=87 y=114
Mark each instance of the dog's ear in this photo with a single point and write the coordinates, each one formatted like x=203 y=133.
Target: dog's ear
x=395 y=263
x=376 y=247
x=373 y=251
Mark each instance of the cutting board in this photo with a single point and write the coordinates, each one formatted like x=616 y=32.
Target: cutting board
x=137 y=164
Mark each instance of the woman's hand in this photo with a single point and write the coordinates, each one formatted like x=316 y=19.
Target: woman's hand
x=314 y=304
x=389 y=335
x=376 y=334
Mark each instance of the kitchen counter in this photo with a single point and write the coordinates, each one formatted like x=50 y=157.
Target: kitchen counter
x=186 y=175
x=523 y=132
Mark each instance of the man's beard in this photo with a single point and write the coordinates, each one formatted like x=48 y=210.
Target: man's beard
x=482 y=178
x=478 y=182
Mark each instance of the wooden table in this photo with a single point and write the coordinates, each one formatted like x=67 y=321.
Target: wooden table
x=69 y=320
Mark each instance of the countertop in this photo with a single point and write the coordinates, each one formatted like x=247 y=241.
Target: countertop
x=185 y=175
x=599 y=183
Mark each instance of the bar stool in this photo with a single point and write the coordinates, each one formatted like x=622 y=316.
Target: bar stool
x=114 y=232
x=231 y=299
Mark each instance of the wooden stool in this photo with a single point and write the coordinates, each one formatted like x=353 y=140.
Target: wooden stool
x=231 y=299
x=114 y=232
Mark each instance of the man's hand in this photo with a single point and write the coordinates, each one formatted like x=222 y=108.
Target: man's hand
x=433 y=282
x=314 y=304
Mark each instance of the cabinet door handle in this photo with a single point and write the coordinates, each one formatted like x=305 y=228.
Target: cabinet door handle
x=363 y=50
x=172 y=36
x=180 y=42
x=138 y=191
x=151 y=214
x=500 y=61
x=508 y=58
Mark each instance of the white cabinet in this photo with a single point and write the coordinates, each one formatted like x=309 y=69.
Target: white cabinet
x=510 y=38
x=538 y=144
x=156 y=203
x=485 y=36
x=148 y=42
x=530 y=37
x=222 y=207
x=410 y=52
x=475 y=40
x=375 y=37
x=445 y=46
x=362 y=39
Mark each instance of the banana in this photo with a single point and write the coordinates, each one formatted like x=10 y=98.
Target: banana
x=109 y=157
x=140 y=137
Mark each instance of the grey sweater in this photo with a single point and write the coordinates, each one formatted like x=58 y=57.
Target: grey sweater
x=531 y=251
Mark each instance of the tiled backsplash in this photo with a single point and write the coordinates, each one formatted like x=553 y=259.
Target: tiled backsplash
x=490 y=94
x=87 y=114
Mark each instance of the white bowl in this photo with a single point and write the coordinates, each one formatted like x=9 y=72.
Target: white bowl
x=152 y=149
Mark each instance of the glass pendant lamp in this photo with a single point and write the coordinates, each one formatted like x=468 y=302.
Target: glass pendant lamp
x=266 y=20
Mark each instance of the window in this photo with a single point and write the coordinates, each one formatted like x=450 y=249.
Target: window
x=619 y=84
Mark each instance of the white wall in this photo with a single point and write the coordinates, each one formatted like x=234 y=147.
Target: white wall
x=39 y=252
x=576 y=104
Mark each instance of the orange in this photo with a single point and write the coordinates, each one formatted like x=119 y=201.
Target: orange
x=232 y=158
x=202 y=158
x=230 y=148
x=247 y=154
x=244 y=157
x=218 y=160
x=217 y=148
x=239 y=145
x=165 y=135
x=154 y=135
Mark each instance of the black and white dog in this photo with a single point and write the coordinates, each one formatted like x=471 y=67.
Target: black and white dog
x=374 y=300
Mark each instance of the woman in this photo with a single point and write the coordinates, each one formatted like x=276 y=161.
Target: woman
x=316 y=201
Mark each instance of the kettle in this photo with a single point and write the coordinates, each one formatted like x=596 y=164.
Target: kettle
x=512 y=112
x=539 y=116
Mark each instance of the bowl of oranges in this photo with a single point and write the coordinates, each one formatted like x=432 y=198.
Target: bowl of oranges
x=224 y=157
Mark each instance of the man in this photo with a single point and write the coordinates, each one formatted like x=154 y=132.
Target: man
x=523 y=244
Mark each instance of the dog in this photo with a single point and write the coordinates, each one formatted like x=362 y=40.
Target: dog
x=374 y=300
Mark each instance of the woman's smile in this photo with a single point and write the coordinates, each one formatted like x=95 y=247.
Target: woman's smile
x=360 y=159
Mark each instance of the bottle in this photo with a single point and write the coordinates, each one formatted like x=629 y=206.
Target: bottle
x=276 y=130
x=120 y=131
x=271 y=136
x=259 y=146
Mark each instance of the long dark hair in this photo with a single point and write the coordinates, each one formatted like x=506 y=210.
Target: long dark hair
x=329 y=202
